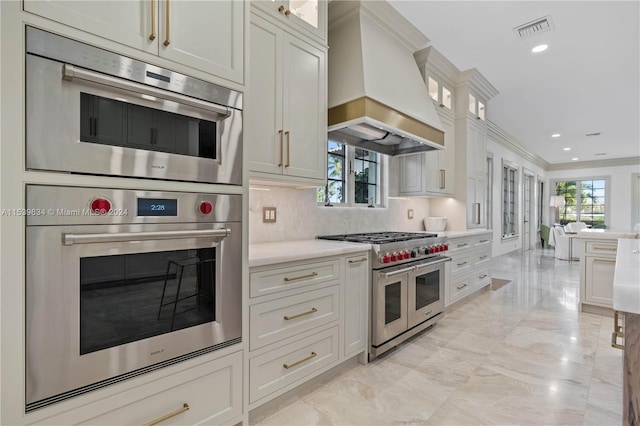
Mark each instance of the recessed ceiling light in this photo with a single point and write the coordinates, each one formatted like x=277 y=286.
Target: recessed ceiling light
x=539 y=48
x=574 y=159
x=566 y=149
x=555 y=135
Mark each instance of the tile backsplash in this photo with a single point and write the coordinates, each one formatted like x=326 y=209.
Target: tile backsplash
x=300 y=217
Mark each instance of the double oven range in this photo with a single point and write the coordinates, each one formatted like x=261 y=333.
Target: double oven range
x=407 y=284
x=121 y=280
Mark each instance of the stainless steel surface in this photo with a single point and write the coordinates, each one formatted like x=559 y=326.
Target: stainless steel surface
x=376 y=351
x=115 y=237
x=55 y=368
x=53 y=114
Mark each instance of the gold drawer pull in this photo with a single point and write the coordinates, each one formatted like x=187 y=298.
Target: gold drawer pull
x=462 y=245
x=460 y=287
x=604 y=248
x=313 y=355
x=484 y=257
x=483 y=276
x=460 y=264
x=312 y=311
x=311 y=275
x=483 y=241
x=185 y=407
x=357 y=260
x=604 y=260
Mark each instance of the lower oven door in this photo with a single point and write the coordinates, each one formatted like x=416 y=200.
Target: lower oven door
x=426 y=291
x=389 y=316
x=108 y=302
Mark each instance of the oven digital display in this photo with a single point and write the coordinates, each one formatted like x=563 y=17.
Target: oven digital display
x=157 y=207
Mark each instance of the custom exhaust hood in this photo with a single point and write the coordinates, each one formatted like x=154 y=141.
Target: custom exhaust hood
x=377 y=97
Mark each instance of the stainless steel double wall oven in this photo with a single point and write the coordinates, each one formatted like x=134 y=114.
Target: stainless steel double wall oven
x=120 y=282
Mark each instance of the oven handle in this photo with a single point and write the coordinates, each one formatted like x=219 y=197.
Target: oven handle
x=434 y=262
x=398 y=272
x=69 y=73
x=123 y=237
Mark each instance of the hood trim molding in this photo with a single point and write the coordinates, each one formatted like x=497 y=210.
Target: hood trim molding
x=368 y=107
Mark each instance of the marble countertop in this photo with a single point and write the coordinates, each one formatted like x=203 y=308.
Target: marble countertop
x=287 y=251
x=626 y=281
x=606 y=234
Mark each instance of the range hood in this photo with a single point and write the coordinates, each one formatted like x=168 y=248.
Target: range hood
x=377 y=97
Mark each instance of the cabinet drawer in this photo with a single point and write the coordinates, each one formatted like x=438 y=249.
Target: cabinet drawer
x=283 y=366
x=484 y=240
x=480 y=277
x=458 y=246
x=282 y=318
x=213 y=392
x=460 y=264
x=602 y=247
x=482 y=258
x=459 y=287
x=281 y=279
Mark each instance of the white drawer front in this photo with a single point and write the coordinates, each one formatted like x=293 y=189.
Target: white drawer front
x=283 y=366
x=282 y=318
x=459 y=245
x=213 y=393
x=482 y=241
x=602 y=248
x=281 y=279
x=461 y=264
x=458 y=287
x=482 y=258
x=481 y=277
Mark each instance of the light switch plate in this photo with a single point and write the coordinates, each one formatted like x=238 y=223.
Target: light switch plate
x=410 y=213
x=269 y=215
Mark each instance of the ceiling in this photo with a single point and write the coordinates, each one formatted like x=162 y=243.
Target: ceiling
x=587 y=81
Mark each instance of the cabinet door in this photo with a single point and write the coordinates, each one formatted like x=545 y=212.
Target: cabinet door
x=206 y=35
x=476 y=203
x=599 y=280
x=304 y=110
x=476 y=148
x=447 y=158
x=355 y=304
x=411 y=173
x=307 y=16
x=263 y=109
x=128 y=22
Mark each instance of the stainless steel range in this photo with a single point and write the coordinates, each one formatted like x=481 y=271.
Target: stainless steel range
x=407 y=284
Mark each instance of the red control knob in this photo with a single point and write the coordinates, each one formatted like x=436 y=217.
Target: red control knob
x=432 y=249
x=407 y=255
x=394 y=257
x=446 y=247
x=100 y=206
x=440 y=248
x=386 y=258
x=206 y=207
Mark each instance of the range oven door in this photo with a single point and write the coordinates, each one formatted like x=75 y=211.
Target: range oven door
x=389 y=313
x=426 y=291
x=108 y=302
x=90 y=111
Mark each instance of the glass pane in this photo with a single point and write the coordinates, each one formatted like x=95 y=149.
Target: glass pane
x=472 y=104
x=336 y=191
x=335 y=167
x=433 y=89
x=427 y=289
x=125 y=298
x=446 y=97
x=392 y=302
x=307 y=10
x=481 y=110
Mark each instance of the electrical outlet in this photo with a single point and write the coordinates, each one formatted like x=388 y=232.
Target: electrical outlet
x=410 y=213
x=269 y=215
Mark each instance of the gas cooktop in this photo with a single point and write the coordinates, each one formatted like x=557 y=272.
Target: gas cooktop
x=378 y=237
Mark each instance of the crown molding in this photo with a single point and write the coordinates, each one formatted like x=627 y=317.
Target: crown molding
x=474 y=79
x=435 y=62
x=612 y=162
x=500 y=136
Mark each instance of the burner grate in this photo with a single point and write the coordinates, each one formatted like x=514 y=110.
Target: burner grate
x=378 y=237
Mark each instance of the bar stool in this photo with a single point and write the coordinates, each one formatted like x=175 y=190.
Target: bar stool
x=180 y=264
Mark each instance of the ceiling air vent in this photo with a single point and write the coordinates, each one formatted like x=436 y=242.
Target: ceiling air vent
x=534 y=27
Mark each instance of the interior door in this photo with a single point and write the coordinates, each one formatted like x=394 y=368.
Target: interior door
x=527 y=209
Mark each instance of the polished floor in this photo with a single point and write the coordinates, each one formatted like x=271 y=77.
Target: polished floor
x=522 y=354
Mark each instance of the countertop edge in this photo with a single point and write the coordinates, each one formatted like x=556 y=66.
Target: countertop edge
x=265 y=254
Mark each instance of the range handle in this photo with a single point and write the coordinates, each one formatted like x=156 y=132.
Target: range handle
x=69 y=239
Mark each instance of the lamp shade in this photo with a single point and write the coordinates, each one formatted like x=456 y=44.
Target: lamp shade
x=557 y=201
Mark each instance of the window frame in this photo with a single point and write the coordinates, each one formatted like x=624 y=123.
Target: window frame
x=509 y=208
x=580 y=180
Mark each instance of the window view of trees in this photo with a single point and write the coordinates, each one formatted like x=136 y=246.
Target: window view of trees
x=584 y=201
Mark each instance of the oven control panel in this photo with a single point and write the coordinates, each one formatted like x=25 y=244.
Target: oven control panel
x=414 y=253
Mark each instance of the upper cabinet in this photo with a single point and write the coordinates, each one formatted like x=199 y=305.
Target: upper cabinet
x=286 y=114
x=306 y=16
x=204 y=35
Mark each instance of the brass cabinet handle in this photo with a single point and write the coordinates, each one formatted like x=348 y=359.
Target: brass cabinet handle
x=483 y=241
x=311 y=311
x=604 y=260
x=167 y=39
x=152 y=36
x=484 y=257
x=460 y=287
x=604 y=248
x=460 y=264
x=313 y=354
x=287 y=12
x=281 y=8
x=313 y=274
x=462 y=245
x=478 y=213
x=185 y=407
x=443 y=178
x=483 y=276
x=357 y=260
x=281 y=133
x=288 y=134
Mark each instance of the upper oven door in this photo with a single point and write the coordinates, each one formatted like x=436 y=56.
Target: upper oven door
x=426 y=291
x=82 y=121
x=105 y=300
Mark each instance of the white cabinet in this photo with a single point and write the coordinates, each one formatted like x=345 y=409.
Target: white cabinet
x=308 y=317
x=470 y=266
x=208 y=36
x=309 y=17
x=286 y=111
x=597 y=268
x=476 y=149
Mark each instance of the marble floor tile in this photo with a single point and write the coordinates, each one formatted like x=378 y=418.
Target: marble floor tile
x=523 y=354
